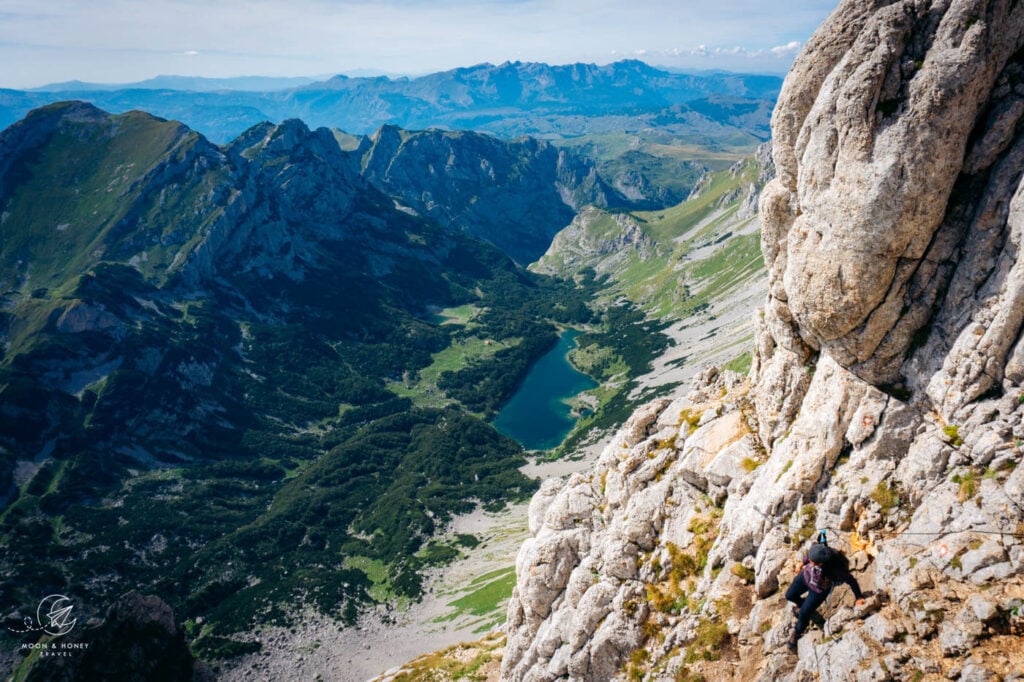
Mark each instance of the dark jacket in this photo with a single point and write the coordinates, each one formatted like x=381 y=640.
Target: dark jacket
x=824 y=578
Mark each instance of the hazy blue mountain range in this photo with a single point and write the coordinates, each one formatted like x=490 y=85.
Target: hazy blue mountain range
x=228 y=372
x=192 y=83
x=508 y=100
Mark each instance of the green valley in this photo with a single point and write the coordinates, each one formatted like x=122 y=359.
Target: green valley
x=238 y=378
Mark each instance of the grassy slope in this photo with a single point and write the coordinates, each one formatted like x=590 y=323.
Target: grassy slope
x=95 y=175
x=68 y=223
x=698 y=255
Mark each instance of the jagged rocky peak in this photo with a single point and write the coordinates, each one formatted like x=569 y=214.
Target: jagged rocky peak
x=884 y=403
x=515 y=194
x=268 y=144
x=595 y=237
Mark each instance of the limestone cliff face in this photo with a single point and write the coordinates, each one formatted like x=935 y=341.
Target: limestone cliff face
x=884 y=403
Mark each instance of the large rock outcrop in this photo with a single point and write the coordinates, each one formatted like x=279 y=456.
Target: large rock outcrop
x=885 y=401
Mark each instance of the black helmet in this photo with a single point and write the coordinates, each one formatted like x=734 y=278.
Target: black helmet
x=819 y=553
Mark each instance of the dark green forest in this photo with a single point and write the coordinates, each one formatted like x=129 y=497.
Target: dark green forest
x=303 y=461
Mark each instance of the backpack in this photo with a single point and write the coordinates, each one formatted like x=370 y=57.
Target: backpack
x=838 y=563
x=818 y=577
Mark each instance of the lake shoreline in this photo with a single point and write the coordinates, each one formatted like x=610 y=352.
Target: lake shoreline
x=539 y=415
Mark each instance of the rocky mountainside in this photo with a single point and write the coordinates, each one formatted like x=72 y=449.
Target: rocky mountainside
x=676 y=261
x=516 y=194
x=884 y=403
x=509 y=100
x=696 y=266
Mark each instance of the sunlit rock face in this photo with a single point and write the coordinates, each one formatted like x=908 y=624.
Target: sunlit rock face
x=884 y=402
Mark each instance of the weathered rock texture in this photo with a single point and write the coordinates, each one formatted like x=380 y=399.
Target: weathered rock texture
x=884 y=404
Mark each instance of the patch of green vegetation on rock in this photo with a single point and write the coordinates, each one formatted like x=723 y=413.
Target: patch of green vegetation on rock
x=740 y=364
x=489 y=593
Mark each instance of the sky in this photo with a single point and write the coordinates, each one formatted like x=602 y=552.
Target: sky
x=121 y=41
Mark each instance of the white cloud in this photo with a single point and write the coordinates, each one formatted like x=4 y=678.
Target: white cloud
x=790 y=48
x=781 y=52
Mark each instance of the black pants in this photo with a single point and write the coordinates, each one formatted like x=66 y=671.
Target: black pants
x=807 y=605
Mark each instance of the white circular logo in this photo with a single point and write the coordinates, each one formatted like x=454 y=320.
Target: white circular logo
x=54 y=615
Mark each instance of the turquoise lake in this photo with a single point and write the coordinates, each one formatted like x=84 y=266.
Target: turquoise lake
x=538 y=415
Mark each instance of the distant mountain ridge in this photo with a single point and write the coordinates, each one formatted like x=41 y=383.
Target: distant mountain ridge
x=508 y=100
x=515 y=194
x=615 y=86
x=194 y=83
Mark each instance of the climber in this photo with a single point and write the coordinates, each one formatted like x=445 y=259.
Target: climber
x=822 y=568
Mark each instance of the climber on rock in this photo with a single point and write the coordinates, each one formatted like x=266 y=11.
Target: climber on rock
x=823 y=567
